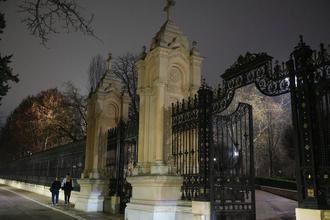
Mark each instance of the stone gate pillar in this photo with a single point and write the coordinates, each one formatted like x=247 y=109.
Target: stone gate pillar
x=107 y=105
x=169 y=71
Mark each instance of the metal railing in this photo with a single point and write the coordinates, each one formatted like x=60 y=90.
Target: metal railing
x=42 y=168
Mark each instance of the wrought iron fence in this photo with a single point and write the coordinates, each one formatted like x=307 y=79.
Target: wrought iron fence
x=190 y=144
x=185 y=146
x=121 y=158
x=42 y=168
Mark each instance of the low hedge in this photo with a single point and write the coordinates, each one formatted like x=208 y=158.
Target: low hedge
x=276 y=182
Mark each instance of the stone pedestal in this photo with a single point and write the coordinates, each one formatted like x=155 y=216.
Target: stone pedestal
x=201 y=210
x=154 y=197
x=141 y=169
x=312 y=214
x=92 y=194
x=159 y=168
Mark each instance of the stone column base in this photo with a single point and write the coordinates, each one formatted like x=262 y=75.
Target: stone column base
x=145 y=210
x=91 y=195
x=159 y=168
x=156 y=197
x=141 y=169
x=312 y=214
x=201 y=210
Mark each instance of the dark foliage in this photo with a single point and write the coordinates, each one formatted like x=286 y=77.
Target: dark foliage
x=6 y=73
x=276 y=182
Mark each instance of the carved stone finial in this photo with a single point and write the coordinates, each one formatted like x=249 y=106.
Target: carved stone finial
x=167 y=9
x=194 y=50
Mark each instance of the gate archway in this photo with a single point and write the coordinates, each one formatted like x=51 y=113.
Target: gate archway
x=306 y=76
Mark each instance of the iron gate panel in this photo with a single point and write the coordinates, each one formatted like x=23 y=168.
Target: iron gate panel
x=185 y=149
x=232 y=166
x=121 y=158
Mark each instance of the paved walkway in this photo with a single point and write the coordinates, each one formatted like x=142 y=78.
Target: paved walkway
x=21 y=204
x=13 y=206
x=34 y=206
x=272 y=207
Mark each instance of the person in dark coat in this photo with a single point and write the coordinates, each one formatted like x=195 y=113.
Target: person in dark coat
x=67 y=186
x=55 y=189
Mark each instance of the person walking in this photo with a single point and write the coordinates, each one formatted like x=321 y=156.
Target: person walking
x=55 y=189
x=67 y=186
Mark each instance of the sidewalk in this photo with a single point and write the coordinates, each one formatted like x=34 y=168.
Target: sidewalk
x=268 y=206
x=68 y=210
x=273 y=207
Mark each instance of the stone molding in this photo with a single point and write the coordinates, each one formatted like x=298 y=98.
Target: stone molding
x=312 y=214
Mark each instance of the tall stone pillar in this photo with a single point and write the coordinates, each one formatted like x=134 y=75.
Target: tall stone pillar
x=107 y=105
x=169 y=71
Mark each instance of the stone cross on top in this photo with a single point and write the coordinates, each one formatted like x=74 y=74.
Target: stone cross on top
x=169 y=5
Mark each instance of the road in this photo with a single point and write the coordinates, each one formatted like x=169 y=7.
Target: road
x=15 y=207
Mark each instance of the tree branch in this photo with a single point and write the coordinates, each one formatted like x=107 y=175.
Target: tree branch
x=44 y=17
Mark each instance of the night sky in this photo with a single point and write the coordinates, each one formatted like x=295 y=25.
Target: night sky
x=224 y=29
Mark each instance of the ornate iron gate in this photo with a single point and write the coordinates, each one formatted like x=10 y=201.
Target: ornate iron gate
x=232 y=194
x=121 y=158
x=214 y=154
x=196 y=120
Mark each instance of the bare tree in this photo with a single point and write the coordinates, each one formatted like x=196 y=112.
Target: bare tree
x=124 y=67
x=78 y=105
x=273 y=137
x=44 y=17
x=96 y=70
x=270 y=117
x=288 y=142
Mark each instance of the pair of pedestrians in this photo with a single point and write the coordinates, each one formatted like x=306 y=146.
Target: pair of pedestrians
x=66 y=186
